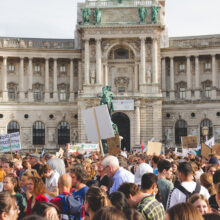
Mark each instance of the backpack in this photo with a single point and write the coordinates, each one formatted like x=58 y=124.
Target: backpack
x=186 y=192
x=72 y=206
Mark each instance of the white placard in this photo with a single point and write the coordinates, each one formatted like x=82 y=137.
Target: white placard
x=5 y=142
x=104 y=123
x=123 y=105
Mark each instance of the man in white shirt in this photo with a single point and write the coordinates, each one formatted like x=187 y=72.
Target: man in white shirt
x=142 y=168
x=187 y=187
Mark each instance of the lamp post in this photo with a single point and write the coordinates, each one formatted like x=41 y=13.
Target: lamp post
x=205 y=132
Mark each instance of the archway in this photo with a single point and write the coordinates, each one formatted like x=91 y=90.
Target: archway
x=123 y=123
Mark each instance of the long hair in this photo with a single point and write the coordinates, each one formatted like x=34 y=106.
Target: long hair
x=206 y=180
x=39 y=186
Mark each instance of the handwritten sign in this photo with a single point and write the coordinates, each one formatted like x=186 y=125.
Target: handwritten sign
x=189 y=142
x=85 y=147
x=205 y=151
x=114 y=146
x=7 y=145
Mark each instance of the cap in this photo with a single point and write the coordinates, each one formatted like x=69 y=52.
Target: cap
x=213 y=160
x=192 y=152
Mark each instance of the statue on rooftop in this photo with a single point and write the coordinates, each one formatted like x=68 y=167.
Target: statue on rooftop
x=142 y=14
x=154 y=14
x=97 y=14
x=86 y=12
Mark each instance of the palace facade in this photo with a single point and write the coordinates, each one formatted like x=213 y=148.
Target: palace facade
x=171 y=85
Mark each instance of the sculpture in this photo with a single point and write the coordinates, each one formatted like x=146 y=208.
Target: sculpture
x=154 y=13
x=142 y=14
x=86 y=15
x=92 y=77
x=120 y=1
x=97 y=14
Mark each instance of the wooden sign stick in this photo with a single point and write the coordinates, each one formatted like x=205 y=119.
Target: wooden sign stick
x=98 y=133
x=10 y=147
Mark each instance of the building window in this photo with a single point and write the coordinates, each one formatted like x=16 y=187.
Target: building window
x=11 y=68
x=38 y=133
x=63 y=69
x=11 y=94
x=206 y=123
x=13 y=127
x=37 y=95
x=208 y=92
x=182 y=92
x=207 y=66
x=62 y=94
x=37 y=68
x=182 y=67
x=63 y=133
x=180 y=131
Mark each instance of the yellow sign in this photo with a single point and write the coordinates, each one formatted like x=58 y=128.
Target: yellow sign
x=189 y=142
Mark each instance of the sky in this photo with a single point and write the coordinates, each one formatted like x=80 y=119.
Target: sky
x=57 y=18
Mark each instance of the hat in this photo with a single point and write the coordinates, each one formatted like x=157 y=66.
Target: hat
x=213 y=160
x=192 y=152
x=35 y=156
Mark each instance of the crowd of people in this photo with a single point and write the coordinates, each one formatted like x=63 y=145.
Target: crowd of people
x=123 y=187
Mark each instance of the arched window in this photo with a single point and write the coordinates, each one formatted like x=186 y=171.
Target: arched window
x=13 y=127
x=180 y=131
x=206 y=123
x=38 y=133
x=63 y=133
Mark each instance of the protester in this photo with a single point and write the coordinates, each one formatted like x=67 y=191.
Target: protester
x=51 y=177
x=200 y=202
x=36 y=188
x=183 y=211
x=164 y=185
x=8 y=167
x=34 y=161
x=182 y=192
x=26 y=165
x=142 y=168
x=10 y=184
x=206 y=180
x=95 y=199
x=117 y=173
x=57 y=164
x=154 y=162
x=109 y=213
x=211 y=169
x=2 y=175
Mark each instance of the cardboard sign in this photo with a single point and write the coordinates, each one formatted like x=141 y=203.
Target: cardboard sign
x=205 y=151
x=154 y=148
x=103 y=120
x=189 y=142
x=114 y=145
x=10 y=142
x=216 y=149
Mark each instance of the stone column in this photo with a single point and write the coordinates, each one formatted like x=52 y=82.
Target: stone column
x=155 y=61
x=143 y=62
x=172 y=91
x=106 y=74
x=21 y=80
x=47 y=91
x=214 y=80
x=98 y=61
x=197 y=74
x=87 y=62
x=4 y=81
x=163 y=70
x=137 y=124
x=30 y=79
x=80 y=75
x=71 y=99
x=55 y=92
x=188 y=76
x=136 y=77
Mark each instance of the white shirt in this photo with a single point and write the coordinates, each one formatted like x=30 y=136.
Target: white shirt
x=141 y=170
x=176 y=196
x=51 y=183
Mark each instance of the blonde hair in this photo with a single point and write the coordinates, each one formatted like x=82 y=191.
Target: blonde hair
x=206 y=180
x=196 y=197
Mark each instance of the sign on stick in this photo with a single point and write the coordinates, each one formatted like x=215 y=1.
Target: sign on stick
x=205 y=151
x=114 y=145
x=10 y=142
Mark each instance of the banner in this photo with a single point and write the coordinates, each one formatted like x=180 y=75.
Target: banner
x=85 y=147
x=189 y=142
x=6 y=145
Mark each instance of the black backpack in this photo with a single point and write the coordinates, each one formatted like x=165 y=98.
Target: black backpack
x=186 y=192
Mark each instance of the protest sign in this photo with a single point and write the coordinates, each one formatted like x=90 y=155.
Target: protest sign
x=210 y=142
x=189 y=141
x=154 y=148
x=10 y=142
x=114 y=145
x=205 y=151
x=86 y=147
x=216 y=149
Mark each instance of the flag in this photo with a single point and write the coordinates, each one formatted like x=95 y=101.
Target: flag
x=142 y=146
x=210 y=142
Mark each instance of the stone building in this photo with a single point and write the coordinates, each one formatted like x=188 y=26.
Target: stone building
x=164 y=88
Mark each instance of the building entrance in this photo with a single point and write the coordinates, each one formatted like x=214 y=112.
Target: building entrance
x=123 y=123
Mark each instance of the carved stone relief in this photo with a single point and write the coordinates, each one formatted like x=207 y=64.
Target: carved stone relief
x=122 y=82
